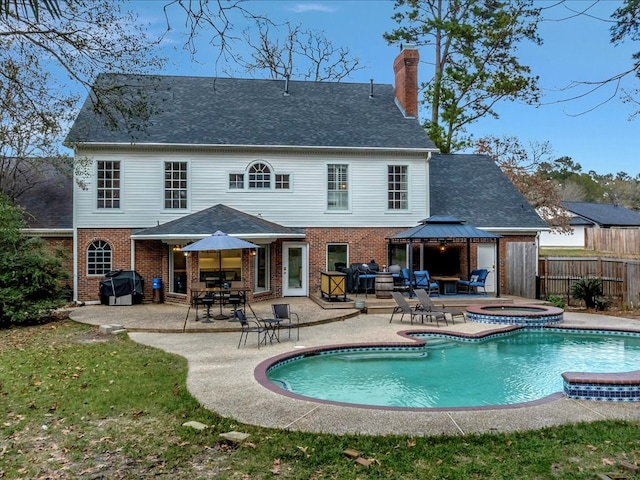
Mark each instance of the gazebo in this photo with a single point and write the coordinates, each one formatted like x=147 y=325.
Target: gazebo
x=444 y=229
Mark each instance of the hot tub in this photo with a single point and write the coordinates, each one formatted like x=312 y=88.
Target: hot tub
x=510 y=314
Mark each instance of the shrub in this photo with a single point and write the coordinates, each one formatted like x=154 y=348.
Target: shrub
x=587 y=289
x=31 y=279
x=556 y=301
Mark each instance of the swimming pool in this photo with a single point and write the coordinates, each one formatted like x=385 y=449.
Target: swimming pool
x=524 y=365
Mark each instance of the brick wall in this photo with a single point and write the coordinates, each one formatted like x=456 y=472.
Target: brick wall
x=152 y=259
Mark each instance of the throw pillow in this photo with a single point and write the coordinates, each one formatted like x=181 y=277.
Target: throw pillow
x=474 y=278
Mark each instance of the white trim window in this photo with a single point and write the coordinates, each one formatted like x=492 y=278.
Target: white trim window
x=108 y=184
x=282 y=181
x=337 y=186
x=337 y=253
x=259 y=176
x=98 y=258
x=398 y=185
x=175 y=185
x=236 y=181
x=262 y=268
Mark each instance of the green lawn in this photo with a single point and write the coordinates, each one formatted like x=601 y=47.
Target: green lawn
x=76 y=404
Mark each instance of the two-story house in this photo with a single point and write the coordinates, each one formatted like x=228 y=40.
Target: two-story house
x=313 y=173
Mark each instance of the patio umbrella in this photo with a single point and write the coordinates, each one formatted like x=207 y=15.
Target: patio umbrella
x=216 y=243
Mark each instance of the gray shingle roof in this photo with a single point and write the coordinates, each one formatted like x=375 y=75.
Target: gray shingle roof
x=226 y=111
x=474 y=189
x=604 y=214
x=219 y=217
x=49 y=204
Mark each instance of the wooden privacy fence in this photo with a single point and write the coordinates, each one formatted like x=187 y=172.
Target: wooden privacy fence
x=620 y=277
x=619 y=240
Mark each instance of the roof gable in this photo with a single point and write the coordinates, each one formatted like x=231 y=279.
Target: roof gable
x=219 y=217
x=604 y=214
x=474 y=189
x=252 y=112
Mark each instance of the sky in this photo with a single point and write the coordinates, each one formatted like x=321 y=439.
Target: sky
x=597 y=134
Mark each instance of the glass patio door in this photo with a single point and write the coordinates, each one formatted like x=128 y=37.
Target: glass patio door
x=294 y=270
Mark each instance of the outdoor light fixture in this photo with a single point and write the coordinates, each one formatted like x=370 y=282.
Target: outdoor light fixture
x=253 y=253
x=443 y=245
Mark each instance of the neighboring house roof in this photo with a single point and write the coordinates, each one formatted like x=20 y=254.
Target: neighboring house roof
x=474 y=189
x=258 y=113
x=219 y=217
x=604 y=214
x=48 y=204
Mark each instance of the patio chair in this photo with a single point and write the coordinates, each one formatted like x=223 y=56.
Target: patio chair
x=250 y=326
x=477 y=279
x=423 y=280
x=287 y=319
x=402 y=306
x=427 y=304
x=405 y=277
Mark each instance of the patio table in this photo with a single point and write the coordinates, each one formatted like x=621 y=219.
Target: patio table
x=448 y=285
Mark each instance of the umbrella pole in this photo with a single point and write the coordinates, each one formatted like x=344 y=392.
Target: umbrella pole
x=220 y=316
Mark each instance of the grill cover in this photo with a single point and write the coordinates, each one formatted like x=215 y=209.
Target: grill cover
x=119 y=283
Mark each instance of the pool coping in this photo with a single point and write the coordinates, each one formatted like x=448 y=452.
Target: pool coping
x=221 y=377
x=592 y=386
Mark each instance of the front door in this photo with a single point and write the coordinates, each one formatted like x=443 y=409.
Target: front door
x=294 y=269
x=487 y=259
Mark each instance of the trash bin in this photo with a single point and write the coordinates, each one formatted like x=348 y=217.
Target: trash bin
x=156 y=285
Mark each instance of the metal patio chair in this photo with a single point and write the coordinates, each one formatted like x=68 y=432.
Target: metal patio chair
x=287 y=319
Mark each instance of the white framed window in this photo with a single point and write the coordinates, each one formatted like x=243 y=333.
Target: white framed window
x=337 y=256
x=108 y=184
x=98 y=258
x=259 y=176
x=262 y=268
x=236 y=181
x=175 y=185
x=398 y=187
x=337 y=186
x=282 y=181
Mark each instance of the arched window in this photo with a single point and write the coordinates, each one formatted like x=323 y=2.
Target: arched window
x=259 y=176
x=98 y=258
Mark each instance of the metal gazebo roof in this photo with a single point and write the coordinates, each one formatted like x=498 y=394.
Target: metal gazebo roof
x=443 y=227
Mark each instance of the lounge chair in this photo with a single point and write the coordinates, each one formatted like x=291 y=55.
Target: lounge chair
x=427 y=304
x=477 y=279
x=402 y=306
x=286 y=318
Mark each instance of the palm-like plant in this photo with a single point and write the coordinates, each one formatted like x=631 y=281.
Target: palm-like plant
x=587 y=289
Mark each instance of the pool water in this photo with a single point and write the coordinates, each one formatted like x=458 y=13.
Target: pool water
x=503 y=370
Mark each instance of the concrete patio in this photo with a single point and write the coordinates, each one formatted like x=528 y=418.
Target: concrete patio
x=221 y=376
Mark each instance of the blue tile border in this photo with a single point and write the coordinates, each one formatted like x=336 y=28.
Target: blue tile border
x=615 y=387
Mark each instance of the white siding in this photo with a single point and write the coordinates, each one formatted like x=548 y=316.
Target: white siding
x=574 y=239
x=302 y=206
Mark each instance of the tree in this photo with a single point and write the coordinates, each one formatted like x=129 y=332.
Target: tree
x=474 y=65
x=31 y=279
x=28 y=7
x=628 y=27
x=47 y=60
x=301 y=53
x=521 y=165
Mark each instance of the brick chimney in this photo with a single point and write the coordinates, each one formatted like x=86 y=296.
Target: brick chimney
x=405 y=67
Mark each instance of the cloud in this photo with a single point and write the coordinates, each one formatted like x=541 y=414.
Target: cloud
x=312 y=7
